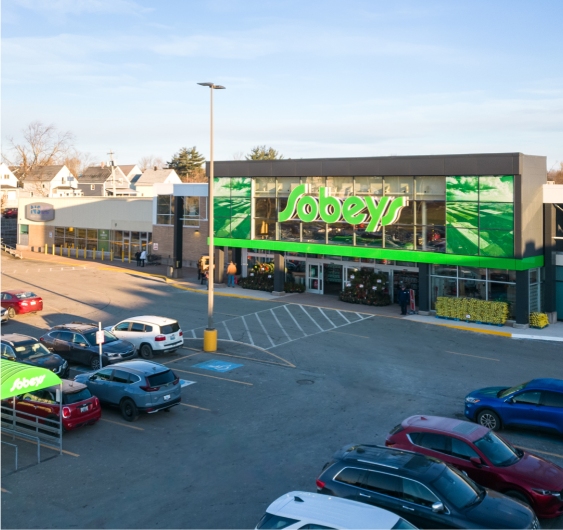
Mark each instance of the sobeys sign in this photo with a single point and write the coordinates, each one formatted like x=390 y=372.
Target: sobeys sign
x=354 y=210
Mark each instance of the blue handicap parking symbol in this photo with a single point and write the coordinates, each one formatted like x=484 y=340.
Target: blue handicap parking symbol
x=218 y=366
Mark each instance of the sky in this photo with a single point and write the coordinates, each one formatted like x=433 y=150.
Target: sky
x=315 y=78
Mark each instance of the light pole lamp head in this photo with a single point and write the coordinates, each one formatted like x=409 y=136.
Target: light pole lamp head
x=211 y=85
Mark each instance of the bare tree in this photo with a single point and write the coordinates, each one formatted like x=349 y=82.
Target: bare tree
x=149 y=162
x=77 y=162
x=42 y=145
x=239 y=155
x=556 y=174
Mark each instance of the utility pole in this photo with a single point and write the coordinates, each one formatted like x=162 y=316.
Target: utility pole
x=112 y=164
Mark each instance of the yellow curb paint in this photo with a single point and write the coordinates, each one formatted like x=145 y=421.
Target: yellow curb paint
x=194 y=407
x=122 y=424
x=476 y=330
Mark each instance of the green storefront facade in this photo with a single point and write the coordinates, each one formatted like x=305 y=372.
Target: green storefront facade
x=451 y=225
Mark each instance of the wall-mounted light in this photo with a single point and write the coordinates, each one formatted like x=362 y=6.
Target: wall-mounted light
x=197 y=231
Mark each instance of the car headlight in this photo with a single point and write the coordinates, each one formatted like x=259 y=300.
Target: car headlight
x=547 y=492
x=113 y=354
x=472 y=400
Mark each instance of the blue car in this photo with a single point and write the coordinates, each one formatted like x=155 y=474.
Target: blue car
x=537 y=403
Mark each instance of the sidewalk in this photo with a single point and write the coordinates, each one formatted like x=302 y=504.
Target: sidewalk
x=554 y=332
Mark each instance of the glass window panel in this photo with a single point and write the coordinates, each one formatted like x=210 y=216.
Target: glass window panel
x=533 y=275
x=314 y=232
x=69 y=234
x=314 y=184
x=398 y=186
x=502 y=275
x=472 y=273
x=503 y=292
x=163 y=219
x=265 y=208
x=341 y=234
x=191 y=222
x=473 y=289
x=286 y=185
x=241 y=187
x=496 y=215
x=221 y=187
x=462 y=188
x=431 y=238
x=81 y=233
x=264 y=229
x=222 y=207
x=340 y=186
x=265 y=186
x=191 y=207
x=496 y=243
x=406 y=215
x=368 y=239
x=240 y=207
x=222 y=227
x=290 y=231
x=430 y=188
x=462 y=214
x=496 y=189
x=462 y=241
x=368 y=186
x=444 y=270
x=240 y=227
x=92 y=233
x=59 y=236
x=399 y=237
x=431 y=212
x=164 y=204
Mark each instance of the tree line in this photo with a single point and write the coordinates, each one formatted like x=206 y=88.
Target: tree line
x=45 y=145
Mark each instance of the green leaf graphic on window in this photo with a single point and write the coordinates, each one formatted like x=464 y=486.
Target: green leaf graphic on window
x=462 y=241
x=496 y=216
x=462 y=214
x=462 y=188
x=496 y=189
x=496 y=243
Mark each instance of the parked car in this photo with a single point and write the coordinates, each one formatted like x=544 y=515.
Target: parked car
x=424 y=491
x=18 y=301
x=300 y=509
x=28 y=350
x=135 y=387
x=537 y=403
x=10 y=213
x=150 y=334
x=79 y=406
x=77 y=342
x=4 y=315
x=486 y=458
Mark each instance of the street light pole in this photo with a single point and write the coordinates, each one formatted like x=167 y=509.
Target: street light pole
x=210 y=334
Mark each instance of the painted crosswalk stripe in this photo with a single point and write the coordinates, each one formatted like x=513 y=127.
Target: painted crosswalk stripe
x=293 y=318
x=227 y=330
x=248 y=331
x=343 y=316
x=331 y=322
x=314 y=321
x=260 y=322
x=279 y=324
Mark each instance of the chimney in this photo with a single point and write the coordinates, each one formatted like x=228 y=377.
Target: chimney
x=155 y=168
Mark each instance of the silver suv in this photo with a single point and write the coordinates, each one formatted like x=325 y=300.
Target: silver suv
x=135 y=387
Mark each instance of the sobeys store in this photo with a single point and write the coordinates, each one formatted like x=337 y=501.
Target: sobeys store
x=454 y=225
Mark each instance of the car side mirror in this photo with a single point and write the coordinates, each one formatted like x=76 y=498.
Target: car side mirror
x=92 y=378
x=509 y=400
x=476 y=461
x=437 y=507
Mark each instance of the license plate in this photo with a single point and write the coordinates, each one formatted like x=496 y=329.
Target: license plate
x=33 y=302
x=84 y=409
x=167 y=397
x=172 y=337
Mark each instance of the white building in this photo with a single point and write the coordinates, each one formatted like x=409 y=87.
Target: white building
x=50 y=181
x=143 y=184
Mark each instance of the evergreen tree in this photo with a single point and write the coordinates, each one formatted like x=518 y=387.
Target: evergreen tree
x=260 y=152
x=186 y=161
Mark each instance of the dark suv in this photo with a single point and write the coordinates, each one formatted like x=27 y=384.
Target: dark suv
x=28 y=350
x=423 y=490
x=77 y=342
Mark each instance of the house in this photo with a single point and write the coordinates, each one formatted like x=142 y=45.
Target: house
x=130 y=171
x=97 y=181
x=10 y=190
x=143 y=184
x=50 y=181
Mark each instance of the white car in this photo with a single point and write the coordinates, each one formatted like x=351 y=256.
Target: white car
x=301 y=509
x=150 y=334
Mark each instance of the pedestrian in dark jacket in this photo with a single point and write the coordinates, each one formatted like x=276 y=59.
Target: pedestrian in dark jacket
x=138 y=257
x=404 y=299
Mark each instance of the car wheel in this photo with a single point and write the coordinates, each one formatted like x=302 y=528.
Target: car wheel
x=145 y=351
x=11 y=312
x=487 y=418
x=95 y=362
x=518 y=496
x=128 y=409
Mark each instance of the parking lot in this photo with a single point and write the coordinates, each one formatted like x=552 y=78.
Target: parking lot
x=289 y=386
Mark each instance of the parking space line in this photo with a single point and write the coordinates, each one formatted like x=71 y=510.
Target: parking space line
x=123 y=424
x=248 y=331
x=227 y=330
x=330 y=321
x=314 y=321
x=266 y=333
x=279 y=324
x=476 y=356
x=5 y=491
x=293 y=318
x=191 y=349
x=47 y=446
x=351 y=334
x=194 y=407
x=343 y=316
x=193 y=333
x=538 y=451
x=214 y=377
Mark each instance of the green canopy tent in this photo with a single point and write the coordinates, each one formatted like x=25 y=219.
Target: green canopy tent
x=17 y=379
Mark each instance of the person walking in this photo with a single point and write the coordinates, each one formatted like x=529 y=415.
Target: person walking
x=231 y=271
x=138 y=257
x=143 y=257
x=404 y=299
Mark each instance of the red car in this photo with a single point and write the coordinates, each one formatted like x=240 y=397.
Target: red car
x=80 y=407
x=10 y=213
x=486 y=458
x=19 y=301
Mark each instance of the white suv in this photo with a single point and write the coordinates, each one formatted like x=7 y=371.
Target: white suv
x=300 y=509
x=150 y=334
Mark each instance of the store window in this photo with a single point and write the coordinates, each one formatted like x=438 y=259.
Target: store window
x=191 y=212
x=368 y=186
x=164 y=209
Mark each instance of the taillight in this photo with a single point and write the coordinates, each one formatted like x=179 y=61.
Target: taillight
x=176 y=381
x=159 y=338
x=388 y=443
x=320 y=484
x=66 y=412
x=181 y=334
x=96 y=402
x=148 y=387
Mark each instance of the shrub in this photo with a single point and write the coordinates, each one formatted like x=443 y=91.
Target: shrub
x=367 y=287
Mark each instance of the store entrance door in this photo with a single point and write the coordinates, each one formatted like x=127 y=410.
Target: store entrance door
x=315 y=278
x=332 y=278
x=407 y=278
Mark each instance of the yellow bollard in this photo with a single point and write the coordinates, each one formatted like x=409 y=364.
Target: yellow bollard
x=94 y=253
x=45 y=248
x=61 y=250
x=129 y=256
x=122 y=255
x=102 y=254
x=111 y=255
x=210 y=340
x=53 y=249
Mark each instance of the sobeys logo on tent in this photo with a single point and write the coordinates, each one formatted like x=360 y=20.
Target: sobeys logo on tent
x=19 y=384
x=380 y=212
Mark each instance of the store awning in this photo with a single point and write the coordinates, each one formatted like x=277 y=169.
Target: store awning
x=19 y=378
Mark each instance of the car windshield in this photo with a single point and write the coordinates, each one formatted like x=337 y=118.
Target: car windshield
x=163 y=378
x=496 y=450
x=31 y=350
x=169 y=328
x=91 y=337
x=508 y=391
x=460 y=491
x=77 y=397
x=269 y=520
x=27 y=294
